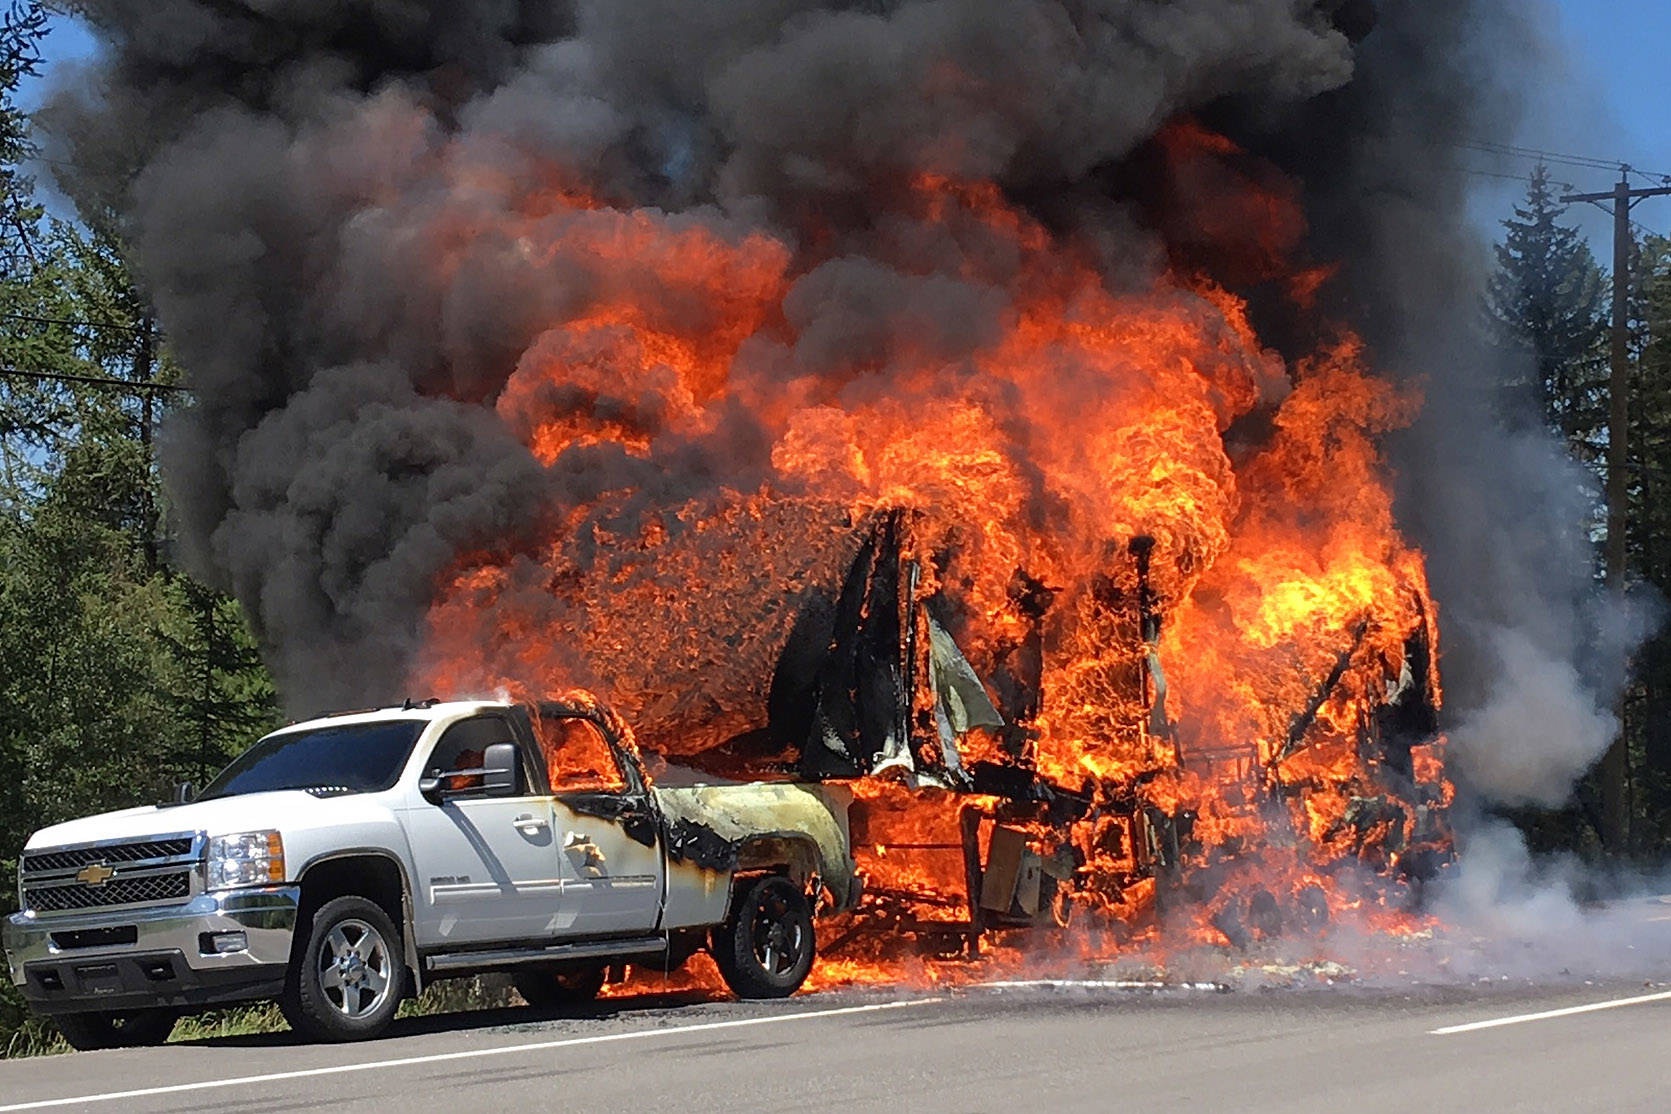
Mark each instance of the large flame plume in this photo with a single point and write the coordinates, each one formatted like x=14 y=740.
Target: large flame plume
x=1082 y=420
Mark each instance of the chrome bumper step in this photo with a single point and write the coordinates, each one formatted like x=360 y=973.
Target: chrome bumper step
x=554 y=953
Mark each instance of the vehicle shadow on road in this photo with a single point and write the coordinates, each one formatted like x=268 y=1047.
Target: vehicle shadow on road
x=505 y=1017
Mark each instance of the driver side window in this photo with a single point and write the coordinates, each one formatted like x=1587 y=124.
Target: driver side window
x=463 y=749
x=578 y=758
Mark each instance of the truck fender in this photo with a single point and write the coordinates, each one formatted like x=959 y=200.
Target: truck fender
x=408 y=928
x=795 y=853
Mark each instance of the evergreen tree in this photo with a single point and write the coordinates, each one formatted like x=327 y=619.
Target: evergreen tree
x=1548 y=303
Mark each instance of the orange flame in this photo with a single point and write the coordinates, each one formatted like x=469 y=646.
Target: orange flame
x=1092 y=406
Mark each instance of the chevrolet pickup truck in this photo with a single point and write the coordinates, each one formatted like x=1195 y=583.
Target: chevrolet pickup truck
x=341 y=864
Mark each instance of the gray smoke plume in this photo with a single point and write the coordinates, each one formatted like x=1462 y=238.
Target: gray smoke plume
x=1534 y=655
x=313 y=191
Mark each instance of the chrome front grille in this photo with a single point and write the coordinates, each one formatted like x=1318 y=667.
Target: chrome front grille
x=121 y=891
x=75 y=858
x=111 y=875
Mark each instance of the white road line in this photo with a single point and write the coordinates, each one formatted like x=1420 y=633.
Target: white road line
x=1097 y=984
x=1545 y=1015
x=472 y=1054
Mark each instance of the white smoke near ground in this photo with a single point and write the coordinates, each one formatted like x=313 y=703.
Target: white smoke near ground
x=1538 y=729
x=1500 y=915
x=1510 y=914
x=1539 y=651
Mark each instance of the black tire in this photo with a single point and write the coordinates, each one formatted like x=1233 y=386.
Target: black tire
x=89 y=1031
x=548 y=988
x=348 y=977
x=766 y=946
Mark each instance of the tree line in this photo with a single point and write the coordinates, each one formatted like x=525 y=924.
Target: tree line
x=119 y=674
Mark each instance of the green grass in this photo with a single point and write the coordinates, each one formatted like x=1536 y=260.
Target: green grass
x=235 y=1021
x=34 y=1036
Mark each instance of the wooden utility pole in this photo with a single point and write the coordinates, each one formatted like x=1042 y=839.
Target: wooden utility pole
x=1615 y=765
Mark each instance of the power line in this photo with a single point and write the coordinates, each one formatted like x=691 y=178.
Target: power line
x=1555 y=157
x=1560 y=158
x=94 y=380
x=40 y=320
x=1563 y=158
x=1513 y=177
x=1548 y=158
x=56 y=162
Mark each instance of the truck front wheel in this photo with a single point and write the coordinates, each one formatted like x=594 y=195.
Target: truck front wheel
x=88 y=1031
x=765 y=947
x=346 y=980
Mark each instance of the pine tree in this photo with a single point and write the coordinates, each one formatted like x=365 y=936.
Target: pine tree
x=1547 y=302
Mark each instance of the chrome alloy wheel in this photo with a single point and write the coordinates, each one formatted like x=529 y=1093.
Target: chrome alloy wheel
x=355 y=969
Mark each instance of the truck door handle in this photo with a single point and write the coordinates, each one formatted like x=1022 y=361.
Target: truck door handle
x=528 y=825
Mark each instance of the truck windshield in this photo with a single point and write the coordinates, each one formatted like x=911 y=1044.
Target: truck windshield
x=356 y=758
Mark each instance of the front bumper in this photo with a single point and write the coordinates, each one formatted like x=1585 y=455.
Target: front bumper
x=154 y=957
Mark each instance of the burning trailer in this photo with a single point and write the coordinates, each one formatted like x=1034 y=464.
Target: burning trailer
x=1104 y=612
x=961 y=829
x=975 y=819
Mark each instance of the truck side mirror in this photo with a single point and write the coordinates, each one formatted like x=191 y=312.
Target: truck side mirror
x=183 y=793
x=499 y=770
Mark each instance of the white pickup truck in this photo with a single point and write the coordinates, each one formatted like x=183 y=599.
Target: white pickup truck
x=340 y=864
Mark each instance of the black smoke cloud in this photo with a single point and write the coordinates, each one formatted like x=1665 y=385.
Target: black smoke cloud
x=298 y=179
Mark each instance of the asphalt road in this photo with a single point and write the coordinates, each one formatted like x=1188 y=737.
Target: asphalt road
x=1024 y=1049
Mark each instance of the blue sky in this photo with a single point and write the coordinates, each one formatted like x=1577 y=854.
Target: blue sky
x=1603 y=93
x=1622 y=50
x=67 y=40
x=1606 y=96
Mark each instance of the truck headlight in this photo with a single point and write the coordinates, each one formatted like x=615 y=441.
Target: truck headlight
x=245 y=859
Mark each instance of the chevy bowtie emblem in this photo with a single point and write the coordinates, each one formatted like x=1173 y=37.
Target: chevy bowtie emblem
x=95 y=874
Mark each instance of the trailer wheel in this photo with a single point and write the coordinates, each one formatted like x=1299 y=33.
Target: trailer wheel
x=765 y=948
x=86 y=1032
x=347 y=979
x=546 y=988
